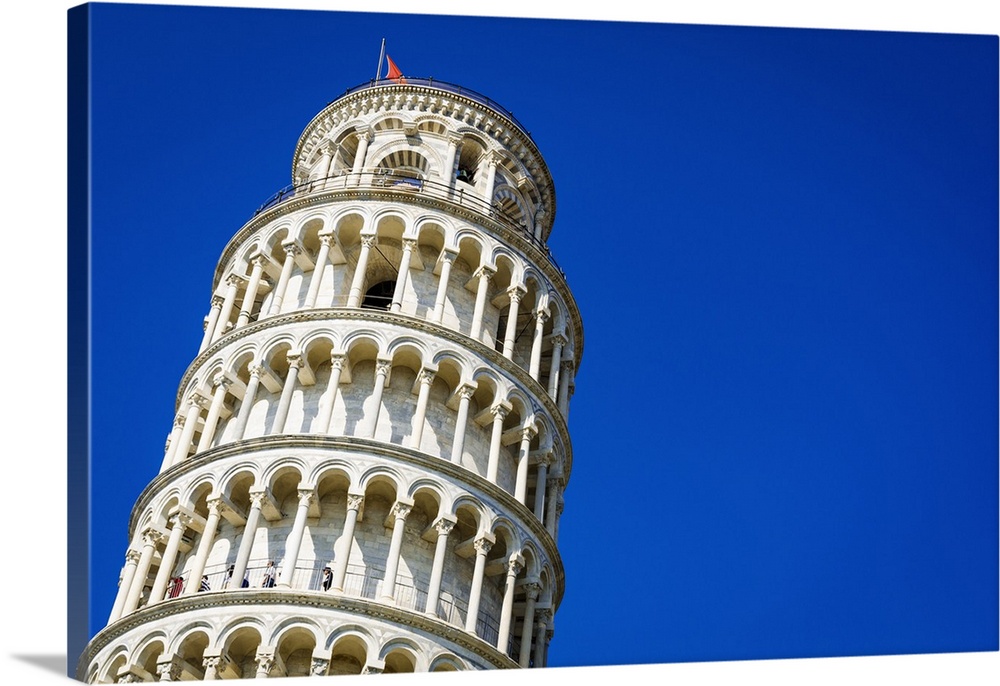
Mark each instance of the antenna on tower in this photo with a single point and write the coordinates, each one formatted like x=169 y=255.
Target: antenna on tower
x=381 y=54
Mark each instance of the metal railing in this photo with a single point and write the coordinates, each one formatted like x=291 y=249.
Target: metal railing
x=443 y=86
x=359 y=582
x=382 y=179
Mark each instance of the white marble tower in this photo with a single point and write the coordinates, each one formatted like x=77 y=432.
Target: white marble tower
x=377 y=413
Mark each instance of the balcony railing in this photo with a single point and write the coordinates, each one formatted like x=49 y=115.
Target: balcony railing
x=359 y=582
x=381 y=179
x=440 y=85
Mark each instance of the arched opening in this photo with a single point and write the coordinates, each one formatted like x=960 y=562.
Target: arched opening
x=379 y=296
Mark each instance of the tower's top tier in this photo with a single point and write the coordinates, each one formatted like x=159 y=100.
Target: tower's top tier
x=435 y=137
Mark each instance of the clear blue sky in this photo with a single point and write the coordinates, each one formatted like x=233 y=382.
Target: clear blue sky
x=783 y=243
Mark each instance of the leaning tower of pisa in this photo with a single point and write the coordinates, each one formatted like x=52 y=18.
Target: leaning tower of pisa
x=366 y=467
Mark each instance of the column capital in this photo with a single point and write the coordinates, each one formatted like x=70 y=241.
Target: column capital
x=542 y=315
x=291 y=248
x=258 y=259
x=151 y=537
x=448 y=256
x=546 y=459
x=466 y=391
x=426 y=375
x=354 y=502
x=218 y=301
x=132 y=555
x=221 y=379
x=326 y=239
x=337 y=360
x=532 y=589
x=217 y=505
x=444 y=526
x=514 y=567
x=410 y=243
x=168 y=670
x=567 y=364
x=179 y=519
x=179 y=421
x=528 y=432
x=482 y=545
x=256 y=369
x=294 y=358
x=516 y=292
x=233 y=279
x=543 y=615
x=306 y=496
x=257 y=498
x=558 y=339
x=198 y=399
x=368 y=241
x=485 y=271
x=501 y=410
x=383 y=367
x=319 y=666
x=400 y=510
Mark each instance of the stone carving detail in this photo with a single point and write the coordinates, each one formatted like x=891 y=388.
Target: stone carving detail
x=319 y=666
x=444 y=526
x=168 y=671
x=426 y=376
x=354 y=502
x=482 y=546
x=400 y=510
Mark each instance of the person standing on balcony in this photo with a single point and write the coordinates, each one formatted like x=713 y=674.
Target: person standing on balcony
x=270 y=574
x=327 y=578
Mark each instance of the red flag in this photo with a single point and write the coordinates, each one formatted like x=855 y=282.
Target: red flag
x=394 y=72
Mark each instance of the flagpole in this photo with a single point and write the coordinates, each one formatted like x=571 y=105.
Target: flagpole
x=381 y=53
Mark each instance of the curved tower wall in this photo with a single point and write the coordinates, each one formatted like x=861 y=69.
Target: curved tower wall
x=377 y=413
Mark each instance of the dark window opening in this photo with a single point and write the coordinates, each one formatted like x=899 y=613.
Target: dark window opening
x=379 y=296
x=466 y=175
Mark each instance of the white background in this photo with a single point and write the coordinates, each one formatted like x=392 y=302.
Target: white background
x=33 y=115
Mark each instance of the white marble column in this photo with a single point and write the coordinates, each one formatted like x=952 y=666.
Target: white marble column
x=215 y=510
x=484 y=274
x=382 y=368
x=246 y=405
x=358 y=280
x=175 y=438
x=343 y=556
x=221 y=385
x=294 y=541
x=554 y=484
x=250 y=297
x=465 y=393
x=149 y=540
x=246 y=542
x=491 y=178
x=325 y=240
x=507 y=611
x=228 y=301
x=364 y=138
x=325 y=159
x=337 y=361
x=398 y=513
x=447 y=259
x=404 y=271
x=449 y=164
x=541 y=316
x=291 y=250
x=132 y=558
x=540 y=483
x=558 y=340
x=285 y=401
x=564 y=379
x=528 y=626
x=482 y=546
x=443 y=528
x=499 y=412
x=515 y=294
x=213 y=319
x=543 y=615
x=195 y=403
x=523 y=453
x=178 y=522
x=425 y=378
